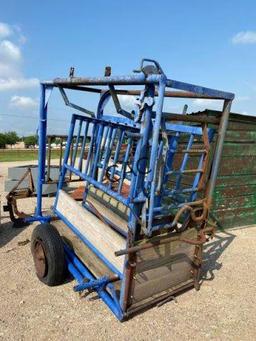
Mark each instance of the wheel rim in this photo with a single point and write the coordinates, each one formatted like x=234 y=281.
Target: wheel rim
x=39 y=259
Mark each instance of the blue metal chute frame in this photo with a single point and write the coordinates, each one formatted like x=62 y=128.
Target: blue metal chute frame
x=144 y=134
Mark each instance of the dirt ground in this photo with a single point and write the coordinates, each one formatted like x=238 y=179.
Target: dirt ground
x=224 y=308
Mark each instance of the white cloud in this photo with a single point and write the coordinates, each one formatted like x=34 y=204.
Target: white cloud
x=17 y=83
x=23 y=102
x=9 y=52
x=11 y=75
x=201 y=102
x=9 y=70
x=244 y=37
x=127 y=101
x=5 y=30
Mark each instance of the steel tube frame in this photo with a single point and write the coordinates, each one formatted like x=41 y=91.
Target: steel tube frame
x=141 y=79
x=75 y=83
x=42 y=149
x=80 y=272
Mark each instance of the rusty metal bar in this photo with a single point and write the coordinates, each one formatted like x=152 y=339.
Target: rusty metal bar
x=153 y=243
x=190 y=118
x=191 y=151
x=175 y=94
x=140 y=79
x=218 y=149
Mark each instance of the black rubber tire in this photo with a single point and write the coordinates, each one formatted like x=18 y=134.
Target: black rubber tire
x=52 y=266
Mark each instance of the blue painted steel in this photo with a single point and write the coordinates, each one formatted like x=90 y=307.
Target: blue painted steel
x=199 y=89
x=144 y=137
x=142 y=79
x=99 y=185
x=123 y=172
x=126 y=122
x=82 y=273
x=154 y=151
x=181 y=128
x=42 y=149
x=73 y=270
x=184 y=162
x=65 y=159
x=80 y=164
x=77 y=142
x=41 y=218
x=97 y=284
x=137 y=186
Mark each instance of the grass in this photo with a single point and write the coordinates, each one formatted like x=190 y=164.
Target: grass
x=23 y=155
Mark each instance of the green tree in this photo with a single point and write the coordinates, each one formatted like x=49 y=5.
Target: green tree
x=30 y=140
x=11 y=137
x=2 y=140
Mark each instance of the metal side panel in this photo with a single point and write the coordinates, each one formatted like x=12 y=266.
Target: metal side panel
x=163 y=269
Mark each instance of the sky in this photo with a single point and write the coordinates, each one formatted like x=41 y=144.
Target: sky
x=211 y=44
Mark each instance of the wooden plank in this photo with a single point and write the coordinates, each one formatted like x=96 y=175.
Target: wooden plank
x=96 y=266
x=163 y=267
x=110 y=210
x=109 y=202
x=100 y=235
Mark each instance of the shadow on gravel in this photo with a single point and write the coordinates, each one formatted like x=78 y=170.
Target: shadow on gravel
x=212 y=252
x=7 y=232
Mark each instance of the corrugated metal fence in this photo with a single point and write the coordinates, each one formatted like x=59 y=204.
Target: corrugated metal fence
x=235 y=193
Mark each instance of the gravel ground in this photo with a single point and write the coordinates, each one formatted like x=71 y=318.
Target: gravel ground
x=224 y=308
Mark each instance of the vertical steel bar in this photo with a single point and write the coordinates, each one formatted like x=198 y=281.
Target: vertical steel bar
x=111 y=148
x=42 y=149
x=140 y=164
x=116 y=155
x=153 y=157
x=66 y=155
x=107 y=152
x=124 y=164
x=71 y=156
x=156 y=130
x=97 y=151
x=49 y=158
x=184 y=162
x=218 y=150
x=90 y=151
x=196 y=179
x=76 y=143
x=61 y=151
x=80 y=164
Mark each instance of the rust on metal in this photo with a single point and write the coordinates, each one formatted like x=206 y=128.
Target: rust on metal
x=39 y=257
x=156 y=242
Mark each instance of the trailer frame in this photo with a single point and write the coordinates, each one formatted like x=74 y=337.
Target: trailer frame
x=151 y=76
